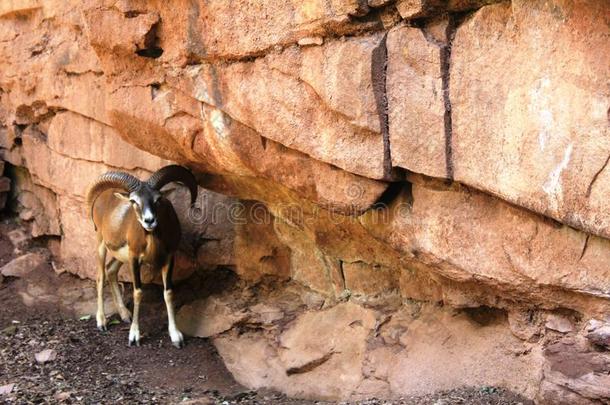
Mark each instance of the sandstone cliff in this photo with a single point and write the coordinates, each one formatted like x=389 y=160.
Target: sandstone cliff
x=411 y=193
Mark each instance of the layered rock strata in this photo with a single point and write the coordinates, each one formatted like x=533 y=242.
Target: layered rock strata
x=409 y=192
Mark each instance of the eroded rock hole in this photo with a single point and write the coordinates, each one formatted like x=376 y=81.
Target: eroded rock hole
x=154 y=90
x=485 y=315
x=153 y=53
x=132 y=14
x=392 y=192
x=151 y=44
x=5 y=184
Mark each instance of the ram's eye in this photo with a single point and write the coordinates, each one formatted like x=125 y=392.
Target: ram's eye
x=133 y=202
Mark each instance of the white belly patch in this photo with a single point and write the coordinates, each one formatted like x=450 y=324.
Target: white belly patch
x=121 y=254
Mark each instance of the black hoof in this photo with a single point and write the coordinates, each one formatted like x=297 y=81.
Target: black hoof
x=134 y=343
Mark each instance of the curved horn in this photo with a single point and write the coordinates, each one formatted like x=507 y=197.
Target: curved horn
x=121 y=180
x=177 y=173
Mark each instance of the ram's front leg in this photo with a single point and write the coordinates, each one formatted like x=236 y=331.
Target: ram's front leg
x=134 y=330
x=168 y=295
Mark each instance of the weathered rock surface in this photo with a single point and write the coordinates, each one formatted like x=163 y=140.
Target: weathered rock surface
x=575 y=374
x=409 y=9
x=439 y=346
x=201 y=29
x=542 y=109
x=323 y=365
x=36 y=204
x=296 y=358
x=559 y=323
x=207 y=318
x=19 y=238
x=325 y=133
x=22 y=265
x=416 y=97
x=598 y=333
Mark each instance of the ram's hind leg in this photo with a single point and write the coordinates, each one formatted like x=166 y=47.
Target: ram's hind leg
x=100 y=316
x=112 y=271
x=168 y=295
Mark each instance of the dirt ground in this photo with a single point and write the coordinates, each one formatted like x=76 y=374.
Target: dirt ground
x=93 y=367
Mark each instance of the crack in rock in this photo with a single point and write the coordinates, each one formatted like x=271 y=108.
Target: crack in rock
x=379 y=70
x=445 y=78
x=594 y=179
x=584 y=248
x=309 y=366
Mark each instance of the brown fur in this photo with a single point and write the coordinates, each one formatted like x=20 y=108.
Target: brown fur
x=117 y=201
x=117 y=225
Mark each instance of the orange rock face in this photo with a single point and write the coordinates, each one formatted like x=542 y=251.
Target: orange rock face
x=544 y=115
x=416 y=189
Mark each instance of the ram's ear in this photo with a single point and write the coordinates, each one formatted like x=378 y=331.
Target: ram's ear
x=122 y=196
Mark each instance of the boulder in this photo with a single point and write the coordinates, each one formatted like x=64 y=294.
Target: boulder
x=413 y=8
x=559 y=323
x=598 y=332
x=208 y=318
x=435 y=346
x=573 y=369
x=23 y=265
x=310 y=365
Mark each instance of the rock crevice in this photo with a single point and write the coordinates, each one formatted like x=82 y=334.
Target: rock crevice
x=379 y=73
x=445 y=65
